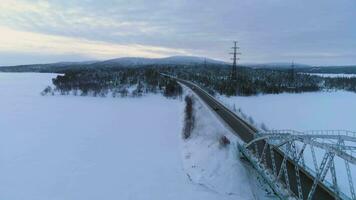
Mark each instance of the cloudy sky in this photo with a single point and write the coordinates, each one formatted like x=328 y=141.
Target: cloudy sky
x=318 y=32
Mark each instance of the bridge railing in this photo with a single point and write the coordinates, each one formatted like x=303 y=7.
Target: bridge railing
x=324 y=155
x=313 y=132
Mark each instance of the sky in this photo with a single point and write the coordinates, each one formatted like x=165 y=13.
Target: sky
x=315 y=32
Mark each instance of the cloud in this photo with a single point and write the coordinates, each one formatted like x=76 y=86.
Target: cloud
x=11 y=6
x=29 y=42
x=268 y=30
x=69 y=20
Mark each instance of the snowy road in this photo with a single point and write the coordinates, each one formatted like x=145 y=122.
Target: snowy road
x=67 y=147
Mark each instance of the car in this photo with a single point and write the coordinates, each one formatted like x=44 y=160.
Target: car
x=216 y=108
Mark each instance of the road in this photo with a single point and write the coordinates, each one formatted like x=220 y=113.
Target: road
x=246 y=132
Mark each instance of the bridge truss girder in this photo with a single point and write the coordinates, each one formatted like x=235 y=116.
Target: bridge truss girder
x=292 y=145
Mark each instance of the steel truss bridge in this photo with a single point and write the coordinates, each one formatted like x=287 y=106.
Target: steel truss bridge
x=326 y=156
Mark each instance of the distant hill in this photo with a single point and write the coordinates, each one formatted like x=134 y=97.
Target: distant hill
x=330 y=69
x=51 y=67
x=351 y=69
x=119 y=62
x=173 y=60
x=61 y=67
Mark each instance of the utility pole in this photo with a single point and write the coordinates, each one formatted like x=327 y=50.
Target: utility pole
x=235 y=58
x=293 y=74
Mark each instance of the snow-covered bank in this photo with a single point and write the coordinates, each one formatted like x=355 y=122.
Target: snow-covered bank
x=214 y=166
x=305 y=111
x=66 y=147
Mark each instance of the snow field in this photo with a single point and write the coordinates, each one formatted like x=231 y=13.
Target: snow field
x=73 y=147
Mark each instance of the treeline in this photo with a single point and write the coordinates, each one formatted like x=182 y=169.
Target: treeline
x=214 y=78
x=252 y=81
x=117 y=83
x=341 y=83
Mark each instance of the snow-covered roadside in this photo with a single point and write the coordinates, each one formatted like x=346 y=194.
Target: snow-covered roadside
x=216 y=167
x=66 y=147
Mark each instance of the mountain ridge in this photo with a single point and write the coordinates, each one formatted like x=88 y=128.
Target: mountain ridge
x=129 y=61
x=60 y=67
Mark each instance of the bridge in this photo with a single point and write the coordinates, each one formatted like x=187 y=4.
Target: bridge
x=295 y=165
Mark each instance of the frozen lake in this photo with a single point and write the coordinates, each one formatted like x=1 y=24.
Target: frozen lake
x=325 y=75
x=66 y=147
x=305 y=111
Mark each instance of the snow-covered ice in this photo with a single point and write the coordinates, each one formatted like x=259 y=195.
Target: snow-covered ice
x=332 y=75
x=305 y=111
x=66 y=147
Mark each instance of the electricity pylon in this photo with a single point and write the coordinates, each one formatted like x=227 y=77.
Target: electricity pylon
x=235 y=58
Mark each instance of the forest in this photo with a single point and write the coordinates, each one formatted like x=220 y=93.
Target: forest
x=216 y=79
x=118 y=83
